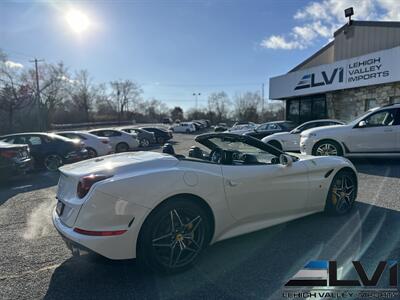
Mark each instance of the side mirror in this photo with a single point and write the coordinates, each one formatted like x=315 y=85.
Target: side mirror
x=362 y=124
x=285 y=160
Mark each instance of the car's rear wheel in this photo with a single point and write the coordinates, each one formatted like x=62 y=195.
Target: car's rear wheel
x=144 y=142
x=91 y=152
x=122 y=147
x=52 y=162
x=342 y=193
x=275 y=144
x=327 y=148
x=173 y=236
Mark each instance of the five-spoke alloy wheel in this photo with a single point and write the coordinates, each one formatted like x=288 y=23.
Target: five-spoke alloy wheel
x=342 y=193
x=174 y=235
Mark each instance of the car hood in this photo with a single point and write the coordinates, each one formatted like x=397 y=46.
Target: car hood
x=325 y=130
x=120 y=163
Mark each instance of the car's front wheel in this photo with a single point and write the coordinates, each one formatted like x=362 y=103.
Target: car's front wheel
x=327 y=148
x=52 y=162
x=173 y=236
x=342 y=193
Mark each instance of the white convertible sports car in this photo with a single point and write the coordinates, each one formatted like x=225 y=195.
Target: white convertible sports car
x=165 y=208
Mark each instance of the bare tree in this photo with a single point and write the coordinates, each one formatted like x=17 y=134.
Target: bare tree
x=219 y=104
x=124 y=93
x=246 y=106
x=83 y=93
x=13 y=94
x=177 y=113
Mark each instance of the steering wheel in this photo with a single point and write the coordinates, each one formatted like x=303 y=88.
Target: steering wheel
x=216 y=155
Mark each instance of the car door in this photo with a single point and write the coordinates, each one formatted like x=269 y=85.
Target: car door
x=266 y=190
x=376 y=133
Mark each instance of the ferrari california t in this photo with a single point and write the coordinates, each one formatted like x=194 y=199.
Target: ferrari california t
x=165 y=208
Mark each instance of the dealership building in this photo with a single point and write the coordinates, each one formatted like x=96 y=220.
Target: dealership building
x=359 y=69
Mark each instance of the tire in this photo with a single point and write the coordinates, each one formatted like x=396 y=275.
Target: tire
x=121 y=147
x=52 y=162
x=342 y=193
x=144 y=143
x=327 y=148
x=275 y=144
x=160 y=140
x=91 y=152
x=168 y=248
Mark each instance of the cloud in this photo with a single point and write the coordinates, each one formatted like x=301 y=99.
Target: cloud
x=319 y=20
x=13 y=65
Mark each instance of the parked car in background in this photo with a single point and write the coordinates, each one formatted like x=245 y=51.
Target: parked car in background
x=266 y=129
x=290 y=141
x=95 y=145
x=146 y=138
x=376 y=133
x=221 y=127
x=14 y=160
x=242 y=127
x=162 y=135
x=186 y=127
x=49 y=150
x=167 y=121
x=120 y=141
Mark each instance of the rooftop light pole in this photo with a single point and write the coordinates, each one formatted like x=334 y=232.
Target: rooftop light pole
x=348 y=12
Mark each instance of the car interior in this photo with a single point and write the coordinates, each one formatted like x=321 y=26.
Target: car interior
x=225 y=156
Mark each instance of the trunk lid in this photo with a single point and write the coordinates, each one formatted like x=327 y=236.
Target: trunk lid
x=115 y=165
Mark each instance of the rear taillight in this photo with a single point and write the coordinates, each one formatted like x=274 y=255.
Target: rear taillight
x=86 y=182
x=8 y=153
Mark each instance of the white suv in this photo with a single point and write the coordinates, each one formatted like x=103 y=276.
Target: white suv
x=376 y=133
x=186 y=127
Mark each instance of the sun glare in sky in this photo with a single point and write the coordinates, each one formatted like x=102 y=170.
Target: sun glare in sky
x=77 y=21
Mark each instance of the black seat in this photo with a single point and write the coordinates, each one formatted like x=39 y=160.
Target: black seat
x=249 y=159
x=196 y=152
x=168 y=149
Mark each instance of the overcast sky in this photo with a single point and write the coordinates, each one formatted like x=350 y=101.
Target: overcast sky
x=175 y=48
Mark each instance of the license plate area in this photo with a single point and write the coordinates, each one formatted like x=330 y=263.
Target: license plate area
x=60 y=208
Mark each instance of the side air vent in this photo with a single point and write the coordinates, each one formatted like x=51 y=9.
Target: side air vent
x=328 y=173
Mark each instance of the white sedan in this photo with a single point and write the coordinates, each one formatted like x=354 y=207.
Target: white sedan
x=120 y=140
x=375 y=134
x=165 y=208
x=290 y=141
x=95 y=145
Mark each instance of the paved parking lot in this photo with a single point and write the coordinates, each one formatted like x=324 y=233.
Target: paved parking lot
x=36 y=264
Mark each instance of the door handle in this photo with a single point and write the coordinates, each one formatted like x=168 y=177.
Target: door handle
x=231 y=183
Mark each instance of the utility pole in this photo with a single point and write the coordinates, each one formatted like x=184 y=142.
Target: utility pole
x=39 y=110
x=262 y=101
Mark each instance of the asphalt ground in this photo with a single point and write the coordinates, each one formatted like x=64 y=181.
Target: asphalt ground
x=35 y=263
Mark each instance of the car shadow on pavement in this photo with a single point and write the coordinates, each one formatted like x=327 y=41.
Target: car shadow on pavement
x=387 y=167
x=27 y=183
x=252 y=266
